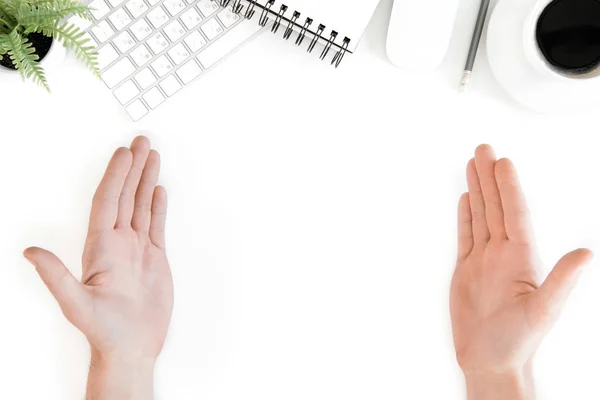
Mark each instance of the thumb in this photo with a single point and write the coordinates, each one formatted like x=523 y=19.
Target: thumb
x=68 y=292
x=554 y=292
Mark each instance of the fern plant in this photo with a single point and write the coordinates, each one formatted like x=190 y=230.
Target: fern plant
x=21 y=18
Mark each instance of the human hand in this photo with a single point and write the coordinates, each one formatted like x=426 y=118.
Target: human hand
x=501 y=308
x=124 y=301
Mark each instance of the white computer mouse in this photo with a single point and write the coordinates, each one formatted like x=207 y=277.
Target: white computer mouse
x=419 y=32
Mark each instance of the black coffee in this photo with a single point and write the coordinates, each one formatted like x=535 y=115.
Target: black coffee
x=568 y=34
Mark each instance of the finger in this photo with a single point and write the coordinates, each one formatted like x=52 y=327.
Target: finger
x=140 y=148
x=516 y=214
x=481 y=233
x=485 y=161
x=158 y=217
x=105 y=204
x=145 y=191
x=68 y=292
x=465 y=227
x=553 y=293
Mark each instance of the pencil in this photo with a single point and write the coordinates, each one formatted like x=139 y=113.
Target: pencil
x=466 y=78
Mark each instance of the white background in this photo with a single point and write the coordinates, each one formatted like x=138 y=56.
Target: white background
x=312 y=223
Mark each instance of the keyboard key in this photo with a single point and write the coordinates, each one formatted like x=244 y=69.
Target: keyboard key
x=154 y=2
x=154 y=98
x=162 y=66
x=178 y=54
x=99 y=8
x=228 y=17
x=195 y=41
x=212 y=29
x=120 y=19
x=124 y=42
x=228 y=42
x=141 y=30
x=174 y=30
x=188 y=72
x=191 y=18
x=118 y=72
x=170 y=85
x=115 y=3
x=136 y=7
x=106 y=55
x=103 y=31
x=174 y=6
x=145 y=78
x=158 y=17
x=141 y=55
x=207 y=7
x=137 y=110
x=126 y=92
x=158 y=43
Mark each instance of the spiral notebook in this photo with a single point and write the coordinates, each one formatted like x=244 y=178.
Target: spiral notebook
x=337 y=24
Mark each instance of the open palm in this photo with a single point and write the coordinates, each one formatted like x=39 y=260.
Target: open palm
x=501 y=308
x=124 y=301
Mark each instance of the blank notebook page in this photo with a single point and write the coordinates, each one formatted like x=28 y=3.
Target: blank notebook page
x=348 y=18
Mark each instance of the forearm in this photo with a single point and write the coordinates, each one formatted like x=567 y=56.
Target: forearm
x=119 y=380
x=511 y=386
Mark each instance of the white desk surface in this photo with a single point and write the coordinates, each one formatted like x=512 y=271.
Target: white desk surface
x=312 y=223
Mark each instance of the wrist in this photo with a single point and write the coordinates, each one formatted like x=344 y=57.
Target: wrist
x=100 y=361
x=120 y=378
x=506 y=385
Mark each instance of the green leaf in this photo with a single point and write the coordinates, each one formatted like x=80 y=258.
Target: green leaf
x=73 y=38
x=11 y=6
x=38 y=2
x=3 y=45
x=18 y=49
x=22 y=54
x=19 y=18
x=7 y=20
x=48 y=13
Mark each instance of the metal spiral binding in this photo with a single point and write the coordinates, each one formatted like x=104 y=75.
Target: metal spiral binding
x=278 y=19
x=329 y=44
x=237 y=7
x=290 y=27
x=264 y=15
x=250 y=10
x=302 y=34
x=316 y=37
x=339 y=56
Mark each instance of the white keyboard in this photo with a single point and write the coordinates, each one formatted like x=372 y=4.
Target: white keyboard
x=149 y=49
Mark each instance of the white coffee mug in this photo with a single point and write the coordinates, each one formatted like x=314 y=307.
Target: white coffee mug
x=537 y=59
x=524 y=72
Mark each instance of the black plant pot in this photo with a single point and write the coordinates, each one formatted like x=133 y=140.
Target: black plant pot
x=41 y=44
